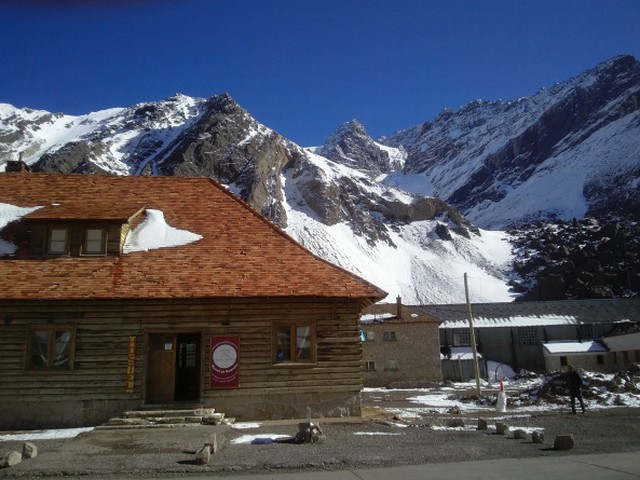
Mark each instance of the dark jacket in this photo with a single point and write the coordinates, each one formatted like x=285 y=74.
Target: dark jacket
x=574 y=381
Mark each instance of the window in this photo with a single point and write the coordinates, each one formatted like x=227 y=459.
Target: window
x=391 y=365
x=51 y=348
x=94 y=242
x=389 y=336
x=600 y=359
x=564 y=361
x=369 y=365
x=461 y=336
x=528 y=335
x=294 y=342
x=369 y=336
x=57 y=243
x=585 y=332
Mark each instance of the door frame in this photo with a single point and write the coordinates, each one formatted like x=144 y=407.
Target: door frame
x=148 y=364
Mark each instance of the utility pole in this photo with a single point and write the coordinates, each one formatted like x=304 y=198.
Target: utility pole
x=473 y=337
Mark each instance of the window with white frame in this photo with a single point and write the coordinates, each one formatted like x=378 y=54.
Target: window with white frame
x=94 y=241
x=58 y=241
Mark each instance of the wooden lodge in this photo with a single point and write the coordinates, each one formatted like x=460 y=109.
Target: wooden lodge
x=118 y=293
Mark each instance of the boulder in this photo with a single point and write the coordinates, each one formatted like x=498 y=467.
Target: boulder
x=564 y=442
x=502 y=428
x=309 y=433
x=537 y=437
x=29 y=450
x=10 y=459
x=212 y=443
x=455 y=422
x=520 y=434
x=203 y=456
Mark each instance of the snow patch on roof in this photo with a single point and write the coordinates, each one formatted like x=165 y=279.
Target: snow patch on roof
x=376 y=317
x=563 y=348
x=512 y=321
x=154 y=233
x=8 y=214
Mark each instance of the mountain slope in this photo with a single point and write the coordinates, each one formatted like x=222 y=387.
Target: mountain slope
x=414 y=246
x=568 y=151
x=396 y=210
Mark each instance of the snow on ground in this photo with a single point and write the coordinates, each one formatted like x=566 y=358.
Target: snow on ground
x=262 y=438
x=60 y=433
x=444 y=400
x=441 y=400
x=421 y=268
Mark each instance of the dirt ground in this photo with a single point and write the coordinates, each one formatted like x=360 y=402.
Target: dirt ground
x=375 y=440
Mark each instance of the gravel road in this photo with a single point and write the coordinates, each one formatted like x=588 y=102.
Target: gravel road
x=378 y=439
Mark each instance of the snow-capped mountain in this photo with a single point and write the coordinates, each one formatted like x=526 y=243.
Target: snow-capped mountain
x=567 y=151
x=382 y=209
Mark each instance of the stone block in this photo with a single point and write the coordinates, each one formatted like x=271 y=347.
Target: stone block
x=29 y=450
x=212 y=443
x=455 y=422
x=482 y=424
x=520 y=434
x=502 y=428
x=203 y=456
x=10 y=459
x=537 y=437
x=564 y=442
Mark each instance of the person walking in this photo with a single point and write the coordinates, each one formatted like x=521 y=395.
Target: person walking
x=574 y=382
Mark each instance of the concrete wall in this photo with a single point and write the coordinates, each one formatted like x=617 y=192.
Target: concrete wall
x=415 y=352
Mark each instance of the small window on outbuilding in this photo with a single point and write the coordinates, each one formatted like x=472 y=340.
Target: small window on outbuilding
x=585 y=332
x=600 y=359
x=390 y=365
x=389 y=336
x=461 y=337
x=528 y=335
x=369 y=365
x=563 y=361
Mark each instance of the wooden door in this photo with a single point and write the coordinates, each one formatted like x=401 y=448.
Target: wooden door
x=161 y=368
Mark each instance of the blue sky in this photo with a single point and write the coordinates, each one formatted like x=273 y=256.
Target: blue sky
x=303 y=67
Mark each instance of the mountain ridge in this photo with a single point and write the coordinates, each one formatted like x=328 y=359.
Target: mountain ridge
x=418 y=202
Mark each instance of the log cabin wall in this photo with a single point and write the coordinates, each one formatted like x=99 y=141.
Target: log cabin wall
x=95 y=388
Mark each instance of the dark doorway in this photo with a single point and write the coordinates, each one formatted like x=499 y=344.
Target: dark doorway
x=187 y=378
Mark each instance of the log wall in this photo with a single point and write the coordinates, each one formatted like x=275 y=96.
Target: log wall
x=95 y=388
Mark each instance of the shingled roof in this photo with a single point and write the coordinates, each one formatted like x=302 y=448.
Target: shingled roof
x=241 y=254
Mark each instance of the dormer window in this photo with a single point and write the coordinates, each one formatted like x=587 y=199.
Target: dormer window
x=58 y=241
x=94 y=241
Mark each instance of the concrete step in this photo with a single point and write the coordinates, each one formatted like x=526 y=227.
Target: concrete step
x=157 y=413
x=162 y=416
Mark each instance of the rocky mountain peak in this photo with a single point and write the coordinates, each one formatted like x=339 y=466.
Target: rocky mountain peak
x=350 y=145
